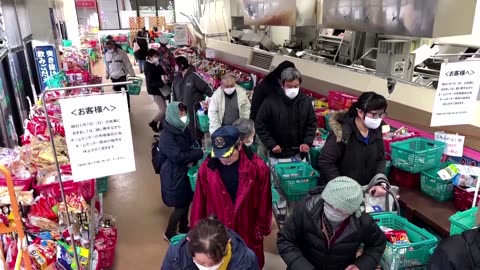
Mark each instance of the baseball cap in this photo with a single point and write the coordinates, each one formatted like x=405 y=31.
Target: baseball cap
x=163 y=40
x=223 y=141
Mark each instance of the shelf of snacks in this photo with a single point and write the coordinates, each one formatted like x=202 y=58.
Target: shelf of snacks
x=44 y=214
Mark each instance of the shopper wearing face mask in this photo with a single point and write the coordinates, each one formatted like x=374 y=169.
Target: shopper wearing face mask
x=234 y=185
x=355 y=145
x=155 y=80
x=229 y=103
x=246 y=128
x=190 y=88
x=174 y=154
x=117 y=67
x=210 y=246
x=327 y=228
x=286 y=122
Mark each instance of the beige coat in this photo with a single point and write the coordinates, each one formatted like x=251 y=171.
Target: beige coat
x=216 y=107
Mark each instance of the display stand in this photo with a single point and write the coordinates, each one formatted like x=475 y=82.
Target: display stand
x=17 y=228
x=93 y=222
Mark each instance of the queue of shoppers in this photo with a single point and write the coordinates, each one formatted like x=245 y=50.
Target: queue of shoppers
x=325 y=229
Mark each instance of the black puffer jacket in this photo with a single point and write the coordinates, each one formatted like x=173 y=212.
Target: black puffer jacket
x=303 y=245
x=286 y=122
x=269 y=85
x=347 y=154
x=141 y=54
x=459 y=252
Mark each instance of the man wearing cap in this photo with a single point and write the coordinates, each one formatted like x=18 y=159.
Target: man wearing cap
x=167 y=59
x=234 y=185
x=327 y=228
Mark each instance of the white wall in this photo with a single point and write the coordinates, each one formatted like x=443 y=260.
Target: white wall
x=185 y=6
x=279 y=34
x=39 y=17
x=473 y=39
x=70 y=13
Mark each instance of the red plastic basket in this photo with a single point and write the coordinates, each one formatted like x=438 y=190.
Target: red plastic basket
x=463 y=200
x=404 y=178
x=26 y=184
x=388 y=143
x=106 y=257
x=340 y=101
x=86 y=188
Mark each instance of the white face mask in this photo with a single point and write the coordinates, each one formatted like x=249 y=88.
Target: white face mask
x=111 y=51
x=333 y=215
x=155 y=60
x=249 y=141
x=292 y=93
x=372 y=123
x=215 y=267
x=184 y=119
x=177 y=69
x=229 y=91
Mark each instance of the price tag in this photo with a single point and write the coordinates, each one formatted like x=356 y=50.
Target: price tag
x=454 y=143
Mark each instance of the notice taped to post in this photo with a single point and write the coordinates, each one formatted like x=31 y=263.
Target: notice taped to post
x=456 y=94
x=98 y=134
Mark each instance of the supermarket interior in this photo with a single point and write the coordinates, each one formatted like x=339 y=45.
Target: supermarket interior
x=239 y=134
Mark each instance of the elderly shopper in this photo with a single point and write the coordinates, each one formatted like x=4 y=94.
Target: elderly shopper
x=327 y=228
x=229 y=103
x=286 y=122
x=234 y=185
x=174 y=155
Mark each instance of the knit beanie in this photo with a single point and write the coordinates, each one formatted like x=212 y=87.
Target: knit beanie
x=344 y=194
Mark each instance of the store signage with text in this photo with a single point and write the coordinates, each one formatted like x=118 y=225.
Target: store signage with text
x=85 y=3
x=98 y=134
x=454 y=143
x=47 y=63
x=181 y=35
x=456 y=94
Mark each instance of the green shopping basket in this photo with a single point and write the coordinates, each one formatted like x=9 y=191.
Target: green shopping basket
x=463 y=221
x=436 y=187
x=417 y=154
x=399 y=256
x=136 y=86
x=102 y=185
x=296 y=179
x=203 y=122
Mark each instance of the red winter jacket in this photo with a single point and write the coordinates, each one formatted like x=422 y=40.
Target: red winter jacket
x=251 y=216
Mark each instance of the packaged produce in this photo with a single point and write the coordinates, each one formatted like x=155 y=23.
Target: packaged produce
x=396 y=236
x=23 y=197
x=43 y=253
x=461 y=175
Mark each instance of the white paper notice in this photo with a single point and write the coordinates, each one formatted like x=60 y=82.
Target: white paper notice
x=98 y=134
x=456 y=94
x=210 y=54
x=454 y=143
x=181 y=35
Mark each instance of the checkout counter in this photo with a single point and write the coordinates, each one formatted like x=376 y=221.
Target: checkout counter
x=409 y=105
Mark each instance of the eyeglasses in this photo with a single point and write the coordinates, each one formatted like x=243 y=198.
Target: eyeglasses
x=377 y=115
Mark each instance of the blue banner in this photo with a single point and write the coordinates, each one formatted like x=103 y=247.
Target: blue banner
x=47 y=63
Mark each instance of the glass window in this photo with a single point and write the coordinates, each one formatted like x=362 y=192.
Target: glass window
x=166 y=9
x=87 y=16
x=127 y=9
x=108 y=16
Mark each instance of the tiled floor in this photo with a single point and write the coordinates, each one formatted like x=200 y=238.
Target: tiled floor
x=135 y=200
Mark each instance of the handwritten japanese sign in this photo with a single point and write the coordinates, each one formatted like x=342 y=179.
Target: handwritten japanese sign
x=454 y=143
x=456 y=94
x=47 y=63
x=98 y=134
